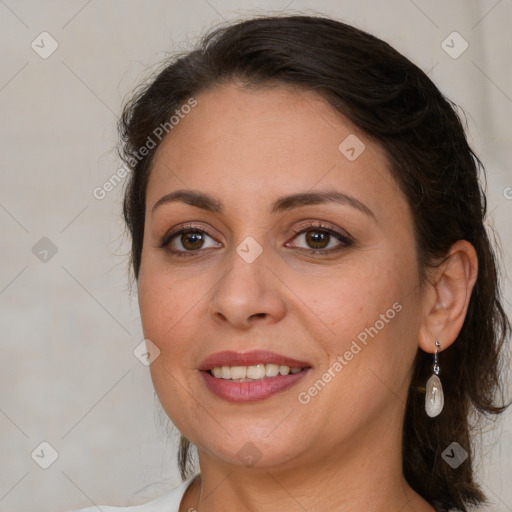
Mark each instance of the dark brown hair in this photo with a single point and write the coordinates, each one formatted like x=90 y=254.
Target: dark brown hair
x=396 y=104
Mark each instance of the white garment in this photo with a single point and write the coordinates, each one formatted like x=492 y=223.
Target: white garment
x=169 y=502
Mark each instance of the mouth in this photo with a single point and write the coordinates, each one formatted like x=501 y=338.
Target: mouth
x=251 y=373
x=251 y=376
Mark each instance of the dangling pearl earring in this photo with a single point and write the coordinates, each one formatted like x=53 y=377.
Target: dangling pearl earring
x=434 y=396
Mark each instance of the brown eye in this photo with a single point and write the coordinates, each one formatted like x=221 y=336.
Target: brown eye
x=317 y=239
x=191 y=241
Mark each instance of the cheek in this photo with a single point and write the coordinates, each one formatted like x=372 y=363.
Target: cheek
x=167 y=311
x=163 y=300
x=157 y=308
x=370 y=345
x=367 y=314
x=351 y=297
x=166 y=306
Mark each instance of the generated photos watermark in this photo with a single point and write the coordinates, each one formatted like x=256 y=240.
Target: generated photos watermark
x=157 y=134
x=304 y=397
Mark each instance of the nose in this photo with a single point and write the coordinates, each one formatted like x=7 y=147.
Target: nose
x=247 y=294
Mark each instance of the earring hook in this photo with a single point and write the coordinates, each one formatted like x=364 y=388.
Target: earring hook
x=435 y=367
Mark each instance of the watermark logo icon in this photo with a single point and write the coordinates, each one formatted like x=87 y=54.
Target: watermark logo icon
x=44 y=250
x=146 y=352
x=249 y=249
x=351 y=147
x=44 y=455
x=454 y=455
x=44 y=45
x=454 y=45
x=249 y=454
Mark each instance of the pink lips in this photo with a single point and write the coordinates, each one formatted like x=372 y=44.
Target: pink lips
x=241 y=392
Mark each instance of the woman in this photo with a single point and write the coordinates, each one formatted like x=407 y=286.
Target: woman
x=317 y=288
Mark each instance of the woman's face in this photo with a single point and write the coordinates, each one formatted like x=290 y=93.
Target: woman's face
x=298 y=253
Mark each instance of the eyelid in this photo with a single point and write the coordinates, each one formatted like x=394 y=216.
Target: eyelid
x=191 y=226
x=183 y=228
x=323 y=226
x=341 y=236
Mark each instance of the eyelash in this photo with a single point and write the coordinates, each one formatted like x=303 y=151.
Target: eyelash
x=190 y=228
x=346 y=241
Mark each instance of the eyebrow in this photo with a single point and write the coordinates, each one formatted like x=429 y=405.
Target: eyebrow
x=286 y=203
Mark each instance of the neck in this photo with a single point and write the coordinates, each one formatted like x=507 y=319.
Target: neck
x=365 y=476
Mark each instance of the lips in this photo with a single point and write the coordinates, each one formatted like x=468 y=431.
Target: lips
x=242 y=390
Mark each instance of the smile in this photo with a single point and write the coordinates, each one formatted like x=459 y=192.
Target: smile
x=250 y=376
x=250 y=373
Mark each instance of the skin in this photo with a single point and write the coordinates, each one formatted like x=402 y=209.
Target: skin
x=342 y=450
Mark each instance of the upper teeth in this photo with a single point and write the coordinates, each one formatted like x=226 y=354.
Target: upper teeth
x=258 y=371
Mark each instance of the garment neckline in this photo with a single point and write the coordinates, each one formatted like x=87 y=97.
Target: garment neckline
x=185 y=487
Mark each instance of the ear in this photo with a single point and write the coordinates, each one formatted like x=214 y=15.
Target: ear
x=447 y=295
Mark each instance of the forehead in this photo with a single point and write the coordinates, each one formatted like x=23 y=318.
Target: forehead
x=251 y=144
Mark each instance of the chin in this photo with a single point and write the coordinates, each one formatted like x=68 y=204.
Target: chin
x=261 y=453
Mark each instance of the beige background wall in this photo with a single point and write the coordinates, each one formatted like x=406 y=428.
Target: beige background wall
x=68 y=375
